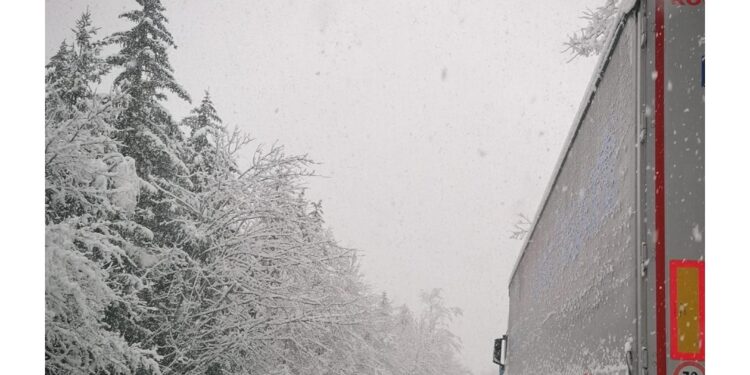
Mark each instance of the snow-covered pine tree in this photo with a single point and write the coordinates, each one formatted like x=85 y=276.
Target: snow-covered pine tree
x=75 y=70
x=205 y=125
x=204 y=156
x=57 y=75
x=71 y=76
x=90 y=191
x=145 y=127
x=148 y=134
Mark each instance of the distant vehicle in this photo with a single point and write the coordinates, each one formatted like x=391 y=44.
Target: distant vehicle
x=610 y=279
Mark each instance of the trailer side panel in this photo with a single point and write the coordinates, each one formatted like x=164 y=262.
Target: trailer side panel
x=573 y=294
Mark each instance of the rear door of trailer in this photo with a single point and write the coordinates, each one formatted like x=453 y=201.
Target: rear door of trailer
x=672 y=187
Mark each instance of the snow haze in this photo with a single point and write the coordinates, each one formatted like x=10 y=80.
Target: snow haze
x=435 y=123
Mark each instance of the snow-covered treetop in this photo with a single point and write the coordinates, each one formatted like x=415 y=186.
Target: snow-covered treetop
x=591 y=39
x=204 y=121
x=75 y=69
x=144 y=53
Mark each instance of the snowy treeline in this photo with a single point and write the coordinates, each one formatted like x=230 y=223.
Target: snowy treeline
x=164 y=256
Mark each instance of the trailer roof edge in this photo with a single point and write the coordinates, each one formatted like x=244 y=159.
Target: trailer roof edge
x=588 y=97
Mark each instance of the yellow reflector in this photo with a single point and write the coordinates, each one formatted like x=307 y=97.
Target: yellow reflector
x=686 y=294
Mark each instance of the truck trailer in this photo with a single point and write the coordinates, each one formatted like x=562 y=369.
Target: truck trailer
x=610 y=278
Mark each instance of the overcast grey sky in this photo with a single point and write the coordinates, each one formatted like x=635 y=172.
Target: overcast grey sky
x=435 y=122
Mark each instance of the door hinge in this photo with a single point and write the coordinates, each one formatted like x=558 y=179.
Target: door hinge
x=644 y=360
x=644 y=259
x=642 y=135
x=629 y=361
x=643 y=20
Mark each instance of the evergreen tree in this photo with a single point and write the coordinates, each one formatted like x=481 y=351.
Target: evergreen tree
x=71 y=75
x=147 y=133
x=146 y=128
x=91 y=189
x=58 y=69
x=75 y=69
x=205 y=125
x=207 y=136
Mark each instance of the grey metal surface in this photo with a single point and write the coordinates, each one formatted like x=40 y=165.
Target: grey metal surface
x=684 y=125
x=573 y=303
x=684 y=131
x=684 y=140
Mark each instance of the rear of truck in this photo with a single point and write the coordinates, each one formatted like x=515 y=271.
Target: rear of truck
x=610 y=278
